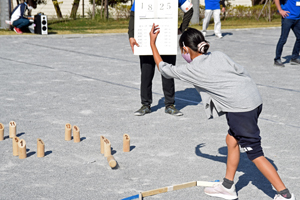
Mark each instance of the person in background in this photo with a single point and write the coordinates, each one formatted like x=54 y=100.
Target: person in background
x=147 y=66
x=290 y=12
x=18 y=18
x=212 y=7
x=227 y=89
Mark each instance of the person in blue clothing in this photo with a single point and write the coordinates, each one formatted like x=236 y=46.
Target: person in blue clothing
x=18 y=18
x=212 y=7
x=147 y=66
x=290 y=12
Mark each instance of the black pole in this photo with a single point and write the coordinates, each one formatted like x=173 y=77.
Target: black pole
x=9 y=8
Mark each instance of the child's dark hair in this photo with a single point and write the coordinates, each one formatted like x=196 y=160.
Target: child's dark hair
x=195 y=40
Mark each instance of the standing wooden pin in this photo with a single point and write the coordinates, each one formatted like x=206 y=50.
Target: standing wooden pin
x=111 y=161
x=68 y=132
x=107 y=148
x=22 y=149
x=126 y=143
x=40 y=148
x=1 y=132
x=76 y=134
x=12 y=129
x=15 y=141
x=102 y=138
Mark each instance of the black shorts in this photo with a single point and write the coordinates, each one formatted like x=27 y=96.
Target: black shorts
x=243 y=127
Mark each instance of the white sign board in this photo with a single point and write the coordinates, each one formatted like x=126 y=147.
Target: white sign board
x=163 y=13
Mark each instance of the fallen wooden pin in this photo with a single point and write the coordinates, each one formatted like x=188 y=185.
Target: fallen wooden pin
x=171 y=188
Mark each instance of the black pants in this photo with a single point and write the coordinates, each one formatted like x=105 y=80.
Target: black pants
x=147 y=73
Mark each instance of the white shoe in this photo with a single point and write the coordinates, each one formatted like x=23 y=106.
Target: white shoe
x=279 y=197
x=8 y=22
x=219 y=36
x=204 y=33
x=218 y=190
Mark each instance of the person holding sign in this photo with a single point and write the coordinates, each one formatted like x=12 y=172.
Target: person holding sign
x=225 y=88
x=147 y=66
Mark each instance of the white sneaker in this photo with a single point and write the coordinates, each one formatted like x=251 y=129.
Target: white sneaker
x=204 y=33
x=8 y=22
x=279 y=197
x=219 y=36
x=218 y=190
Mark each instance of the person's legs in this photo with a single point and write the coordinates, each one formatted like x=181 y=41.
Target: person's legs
x=168 y=85
x=207 y=17
x=244 y=128
x=226 y=189
x=268 y=170
x=147 y=65
x=217 y=21
x=21 y=23
x=169 y=89
x=296 y=30
x=286 y=24
x=233 y=157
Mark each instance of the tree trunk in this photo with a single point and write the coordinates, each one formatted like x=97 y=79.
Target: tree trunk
x=94 y=9
x=102 y=9
x=106 y=9
x=57 y=9
x=82 y=8
x=269 y=10
x=74 y=9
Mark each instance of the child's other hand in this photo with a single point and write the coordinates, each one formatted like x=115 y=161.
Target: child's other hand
x=133 y=42
x=154 y=33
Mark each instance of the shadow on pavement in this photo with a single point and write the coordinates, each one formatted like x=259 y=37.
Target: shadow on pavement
x=251 y=173
x=187 y=97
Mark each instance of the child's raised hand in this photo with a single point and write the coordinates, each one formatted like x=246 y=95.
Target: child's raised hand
x=153 y=33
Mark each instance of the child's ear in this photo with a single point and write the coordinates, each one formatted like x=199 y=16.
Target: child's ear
x=185 y=49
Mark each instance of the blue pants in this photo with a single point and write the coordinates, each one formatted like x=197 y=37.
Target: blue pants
x=21 y=23
x=286 y=25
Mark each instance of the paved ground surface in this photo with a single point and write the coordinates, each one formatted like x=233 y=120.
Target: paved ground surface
x=92 y=81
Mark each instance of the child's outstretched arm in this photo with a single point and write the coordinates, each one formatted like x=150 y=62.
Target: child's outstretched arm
x=153 y=35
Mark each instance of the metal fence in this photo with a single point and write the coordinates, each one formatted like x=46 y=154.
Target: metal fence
x=4 y=13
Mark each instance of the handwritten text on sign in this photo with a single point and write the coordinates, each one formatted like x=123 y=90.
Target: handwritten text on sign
x=163 y=13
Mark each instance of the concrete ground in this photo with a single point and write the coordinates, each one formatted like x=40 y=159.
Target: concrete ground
x=92 y=81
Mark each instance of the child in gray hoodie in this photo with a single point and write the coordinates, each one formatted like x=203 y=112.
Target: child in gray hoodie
x=225 y=88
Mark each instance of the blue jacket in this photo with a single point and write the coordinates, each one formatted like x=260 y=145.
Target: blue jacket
x=180 y=3
x=213 y=4
x=18 y=12
x=294 y=10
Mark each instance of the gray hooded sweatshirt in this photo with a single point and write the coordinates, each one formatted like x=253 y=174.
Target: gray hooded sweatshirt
x=224 y=85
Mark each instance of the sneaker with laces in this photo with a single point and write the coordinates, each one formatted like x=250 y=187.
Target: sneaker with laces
x=295 y=61
x=173 y=111
x=218 y=190
x=143 y=110
x=278 y=63
x=279 y=197
x=17 y=30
